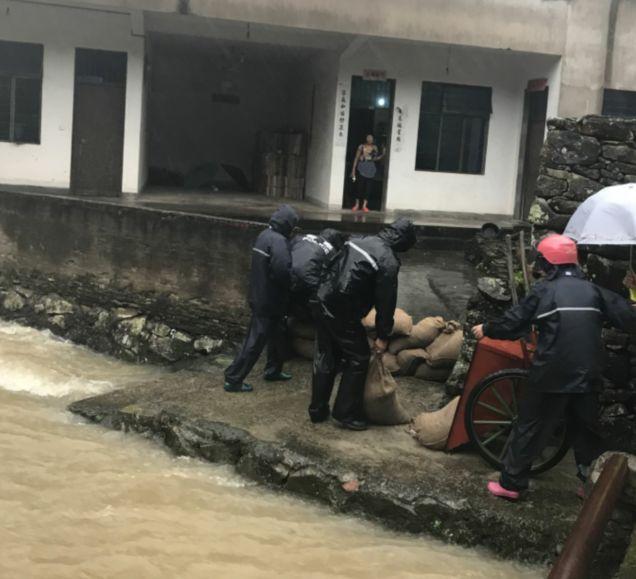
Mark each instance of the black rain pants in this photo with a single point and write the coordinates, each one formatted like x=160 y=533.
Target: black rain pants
x=340 y=342
x=263 y=331
x=539 y=416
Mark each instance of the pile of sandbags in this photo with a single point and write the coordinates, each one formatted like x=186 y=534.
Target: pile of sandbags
x=427 y=351
x=402 y=323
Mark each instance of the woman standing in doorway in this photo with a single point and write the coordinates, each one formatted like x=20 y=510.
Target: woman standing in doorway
x=367 y=156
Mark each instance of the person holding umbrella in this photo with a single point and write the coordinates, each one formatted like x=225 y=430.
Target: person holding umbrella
x=568 y=312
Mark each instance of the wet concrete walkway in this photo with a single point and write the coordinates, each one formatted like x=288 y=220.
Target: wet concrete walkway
x=268 y=437
x=258 y=208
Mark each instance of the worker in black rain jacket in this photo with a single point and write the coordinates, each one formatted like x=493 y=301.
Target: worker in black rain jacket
x=363 y=277
x=310 y=255
x=270 y=280
x=568 y=312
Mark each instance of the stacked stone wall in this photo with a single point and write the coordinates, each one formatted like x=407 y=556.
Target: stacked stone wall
x=579 y=158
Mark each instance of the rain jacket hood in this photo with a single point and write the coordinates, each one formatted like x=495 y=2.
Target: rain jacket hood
x=334 y=237
x=400 y=235
x=284 y=220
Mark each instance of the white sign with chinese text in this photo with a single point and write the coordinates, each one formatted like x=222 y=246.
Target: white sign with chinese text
x=342 y=114
x=373 y=74
x=399 y=127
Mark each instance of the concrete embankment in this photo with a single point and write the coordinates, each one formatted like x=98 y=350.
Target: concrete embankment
x=158 y=284
x=381 y=473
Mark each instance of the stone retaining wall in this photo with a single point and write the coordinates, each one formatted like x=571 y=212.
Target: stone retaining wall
x=142 y=284
x=579 y=158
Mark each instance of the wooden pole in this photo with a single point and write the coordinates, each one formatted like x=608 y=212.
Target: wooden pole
x=524 y=263
x=511 y=271
x=579 y=550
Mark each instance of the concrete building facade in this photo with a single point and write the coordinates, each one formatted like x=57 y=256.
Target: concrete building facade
x=134 y=93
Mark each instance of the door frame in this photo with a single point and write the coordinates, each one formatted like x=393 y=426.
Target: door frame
x=386 y=161
x=533 y=86
x=74 y=131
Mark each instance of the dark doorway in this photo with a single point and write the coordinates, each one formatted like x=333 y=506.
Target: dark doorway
x=536 y=104
x=370 y=113
x=98 y=122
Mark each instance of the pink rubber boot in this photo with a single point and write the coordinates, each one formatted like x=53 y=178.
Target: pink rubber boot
x=497 y=490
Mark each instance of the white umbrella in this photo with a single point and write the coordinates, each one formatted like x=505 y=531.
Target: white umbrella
x=606 y=218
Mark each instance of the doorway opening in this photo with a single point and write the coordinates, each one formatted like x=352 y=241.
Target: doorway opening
x=97 y=155
x=370 y=113
x=535 y=116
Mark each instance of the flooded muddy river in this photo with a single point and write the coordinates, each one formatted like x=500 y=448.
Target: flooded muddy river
x=79 y=501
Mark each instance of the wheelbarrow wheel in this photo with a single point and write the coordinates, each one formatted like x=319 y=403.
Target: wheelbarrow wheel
x=491 y=413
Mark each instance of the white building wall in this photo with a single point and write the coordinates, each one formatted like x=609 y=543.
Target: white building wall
x=410 y=64
x=324 y=75
x=61 y=31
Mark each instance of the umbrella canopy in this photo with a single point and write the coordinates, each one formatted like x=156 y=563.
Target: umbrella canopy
x=606 y=218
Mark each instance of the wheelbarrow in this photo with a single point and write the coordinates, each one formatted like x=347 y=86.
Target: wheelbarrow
x=489 y=404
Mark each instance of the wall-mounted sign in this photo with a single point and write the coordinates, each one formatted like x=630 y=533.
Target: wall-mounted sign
x=373 y=74
x=399 y=127
x=342 y=114
x=537 y=85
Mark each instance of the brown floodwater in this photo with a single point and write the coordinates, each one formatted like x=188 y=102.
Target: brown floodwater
x=79 y=501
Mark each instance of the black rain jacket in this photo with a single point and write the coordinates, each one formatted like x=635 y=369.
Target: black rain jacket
x=270 y=275
x=568 y=312
x=366 y=275
x=310 y=255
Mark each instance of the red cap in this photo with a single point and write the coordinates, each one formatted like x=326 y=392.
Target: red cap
x=558 y=250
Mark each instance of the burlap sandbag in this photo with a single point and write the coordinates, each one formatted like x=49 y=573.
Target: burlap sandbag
x=300 y=329
x=303 y=347
x=422 y=334
x=444 y=351
x=431 y=429
x=402 y=322
x=381 y=403
x=390 y=362
x=409 y=360
x=426 y=372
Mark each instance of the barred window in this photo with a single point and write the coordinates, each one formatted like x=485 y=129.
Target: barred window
x=453 y=128
x=20 y=91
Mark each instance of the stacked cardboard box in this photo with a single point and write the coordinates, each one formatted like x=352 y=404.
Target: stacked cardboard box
x=281 y=160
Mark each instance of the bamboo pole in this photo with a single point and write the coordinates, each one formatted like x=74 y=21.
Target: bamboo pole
x=511 y=271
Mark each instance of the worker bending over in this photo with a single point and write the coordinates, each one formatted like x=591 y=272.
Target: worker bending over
x=311 y=254
x=364 y=276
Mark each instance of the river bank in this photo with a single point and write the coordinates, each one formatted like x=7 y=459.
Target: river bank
x=381 y=474
x=77 y=500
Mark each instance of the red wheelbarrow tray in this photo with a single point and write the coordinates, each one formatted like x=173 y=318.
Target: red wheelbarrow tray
x=490 y=356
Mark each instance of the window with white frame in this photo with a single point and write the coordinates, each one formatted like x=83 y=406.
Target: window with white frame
x=20 y=91
x=453 y=128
